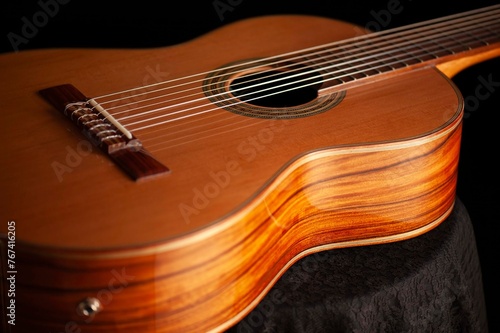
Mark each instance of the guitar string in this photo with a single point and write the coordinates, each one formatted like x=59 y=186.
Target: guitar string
x=168 y=133
x=466 y=15
x=326 y=59
x=344 y=72
x=203 y=135
x=398 y=58
x=193 y=136
x=258 y=97
x=180 y=138
x=271 y=70
x=411 y=45
x=368 y=39
x=199 y=135
x=131 y=109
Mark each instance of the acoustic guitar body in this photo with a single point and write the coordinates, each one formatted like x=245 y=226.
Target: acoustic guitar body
x=250 y=188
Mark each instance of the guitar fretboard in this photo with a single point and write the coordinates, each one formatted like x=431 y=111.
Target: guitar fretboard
x=421 y=44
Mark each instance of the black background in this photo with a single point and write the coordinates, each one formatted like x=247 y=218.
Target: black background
x=139 y=24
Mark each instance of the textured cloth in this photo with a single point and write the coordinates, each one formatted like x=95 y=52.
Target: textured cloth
x=431 y=283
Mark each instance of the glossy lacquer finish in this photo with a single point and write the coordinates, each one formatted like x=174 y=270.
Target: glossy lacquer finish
x=196 y=249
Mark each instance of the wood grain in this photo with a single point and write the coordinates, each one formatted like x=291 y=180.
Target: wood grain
x=197 y=249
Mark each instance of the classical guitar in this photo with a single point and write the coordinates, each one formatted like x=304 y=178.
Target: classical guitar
x=167 y=189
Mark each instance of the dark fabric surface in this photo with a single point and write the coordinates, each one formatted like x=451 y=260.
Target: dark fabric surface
x=431 y=283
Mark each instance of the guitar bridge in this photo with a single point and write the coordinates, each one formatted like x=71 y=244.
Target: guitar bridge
x=104 y=131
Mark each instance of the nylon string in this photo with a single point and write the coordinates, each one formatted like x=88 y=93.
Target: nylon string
x=384 y=42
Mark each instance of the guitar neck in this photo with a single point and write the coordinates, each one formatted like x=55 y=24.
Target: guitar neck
x=451 y=44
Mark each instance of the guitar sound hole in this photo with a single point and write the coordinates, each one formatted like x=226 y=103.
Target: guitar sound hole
x=276 y=89
x=288 y=92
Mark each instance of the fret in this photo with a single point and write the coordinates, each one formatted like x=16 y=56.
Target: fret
x=362 y=65
x=338 y=76
x=398 y=56
x=424 y=52
x=404 y=59
x=414 y=55
x=351 y=66
x=366 y=59
x=495 y=33
x=382 y=66
x=443 y=50
x=375 y=62
x=459 y=46
x=401 y=56
x=493 y=36
x=477 y=42
x=355 y=73
x=324 y=63
x=316 y=59
x=367 y=66
x=343 y=60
